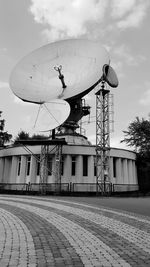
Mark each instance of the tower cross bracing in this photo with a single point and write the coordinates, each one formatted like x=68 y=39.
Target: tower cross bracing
x=102 y=139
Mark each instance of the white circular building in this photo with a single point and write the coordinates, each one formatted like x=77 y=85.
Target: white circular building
x=20 y=166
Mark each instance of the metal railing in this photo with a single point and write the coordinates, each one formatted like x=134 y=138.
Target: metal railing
x=83 y=187
x=124 y=187
x=68 y=188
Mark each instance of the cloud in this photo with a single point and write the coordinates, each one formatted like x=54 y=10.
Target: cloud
x=74 y=18
x=135 y=17
x=121 y=7
x=92 y=138
x=123 y=52
x=118 y=67
x=115 y=142
x=18 y=100
x=122 y=56
x=145 y=99
x=67 y=17
x=3 y=50
x=4 y=84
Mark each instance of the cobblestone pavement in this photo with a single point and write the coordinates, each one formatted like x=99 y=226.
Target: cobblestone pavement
x=51 y=231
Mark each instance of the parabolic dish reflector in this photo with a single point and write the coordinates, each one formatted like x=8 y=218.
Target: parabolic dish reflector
x=50 y=115
x=35 y=78
x=110 y=76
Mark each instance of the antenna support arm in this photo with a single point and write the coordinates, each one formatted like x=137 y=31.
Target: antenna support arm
x=61 y=76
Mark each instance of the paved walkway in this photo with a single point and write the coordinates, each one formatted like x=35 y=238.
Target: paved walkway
x=50 y=231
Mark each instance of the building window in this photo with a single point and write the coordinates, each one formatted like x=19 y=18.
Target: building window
x=73 y=169
x=95 y=165
x=85 y=165
x=38 y=165
x=122 y=172
x=114 y=167
x=28 y=165
x=62 y=165
x=128 y=168
x=19 y=165
x=50 y=164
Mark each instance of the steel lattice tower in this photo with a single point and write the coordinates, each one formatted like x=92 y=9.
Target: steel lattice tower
x=43 y=167
x=102 y=138
x=58 y=165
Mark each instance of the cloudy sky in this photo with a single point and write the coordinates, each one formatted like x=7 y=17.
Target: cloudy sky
x=122 y=26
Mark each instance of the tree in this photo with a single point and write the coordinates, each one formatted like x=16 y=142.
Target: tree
x=138 y=135
x=5 y=137
x=38 y=136
x=25 y=136
x=22 y=136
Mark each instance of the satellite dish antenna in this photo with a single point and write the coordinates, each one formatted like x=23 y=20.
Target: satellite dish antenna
x=59 y=70
x=110 y=76
x=51 y=115
x=47 y=116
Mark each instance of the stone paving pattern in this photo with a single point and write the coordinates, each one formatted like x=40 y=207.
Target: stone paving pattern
x=50 y=231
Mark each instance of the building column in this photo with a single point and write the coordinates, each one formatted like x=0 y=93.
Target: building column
x=133 y=172
x=7 y=169
x=13 y=177
x=67 y=169
x=118 y=171
x=130 y=166
x=53 y=179
x=2 y=164
x=22 y=177
x=54 y=171
x=135 y=181
x=125 y=171
x=111 y=170
x=79 y=170
x=32 y=178
x=91 y=178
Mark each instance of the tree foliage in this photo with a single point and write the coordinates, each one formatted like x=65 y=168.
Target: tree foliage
x=25 y=136
x=5 y=137
x=22 y=136
x=38 y=136
x=138 y=135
